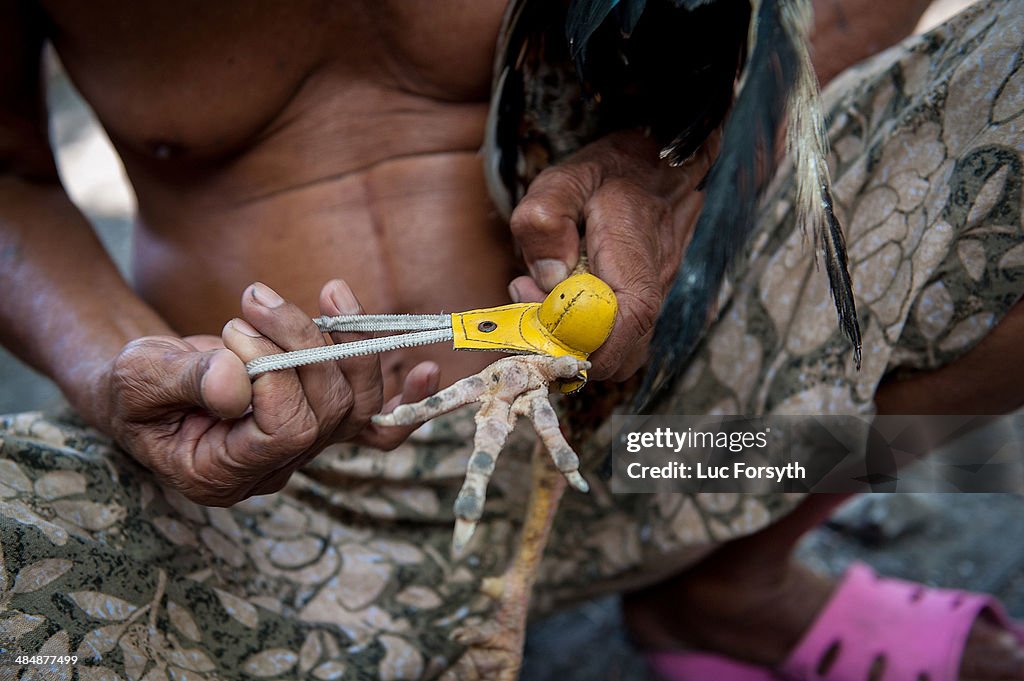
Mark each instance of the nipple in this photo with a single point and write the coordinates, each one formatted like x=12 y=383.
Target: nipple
x=163 y=150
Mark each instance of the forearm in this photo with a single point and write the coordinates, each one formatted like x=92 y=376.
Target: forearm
x=848 y=31
x=66 y=309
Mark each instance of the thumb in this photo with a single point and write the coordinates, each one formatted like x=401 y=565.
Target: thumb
x=154 y=376
x=225 y=389
x=547 y=222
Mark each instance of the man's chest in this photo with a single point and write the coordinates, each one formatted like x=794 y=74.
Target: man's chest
x=201 y=80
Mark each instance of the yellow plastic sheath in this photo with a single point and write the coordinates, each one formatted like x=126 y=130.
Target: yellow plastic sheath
x=513 y=328
x=575 y=319
x=580 y=313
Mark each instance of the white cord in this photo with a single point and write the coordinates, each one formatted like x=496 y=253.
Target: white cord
x=329 y=353
x=384 y=322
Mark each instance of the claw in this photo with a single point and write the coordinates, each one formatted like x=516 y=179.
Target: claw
x=464 y=530
x=569 y=367
x=577 y=481
x=511 y=387
x=403 y=415
x=545 y=422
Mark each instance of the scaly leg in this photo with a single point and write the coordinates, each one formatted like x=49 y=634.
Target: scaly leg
x=536 y=406
x=509 y=388
x=456 y=395
x=495 y=648
x=494 y=422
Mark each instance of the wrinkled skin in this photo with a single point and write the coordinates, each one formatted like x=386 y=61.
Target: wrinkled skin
x=291 y=145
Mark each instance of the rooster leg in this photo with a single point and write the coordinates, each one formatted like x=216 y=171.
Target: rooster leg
x=537 y=407
x=495 y=648
x=494 y=422
x=451 y=398
x=509 y=388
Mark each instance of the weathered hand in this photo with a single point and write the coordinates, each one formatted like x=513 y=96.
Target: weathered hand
x=638 y=214
x=189 y=412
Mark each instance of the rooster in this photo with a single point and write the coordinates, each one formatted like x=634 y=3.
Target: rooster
x=567 y=73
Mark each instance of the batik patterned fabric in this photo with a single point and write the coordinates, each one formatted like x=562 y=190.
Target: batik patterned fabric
x=346 y=574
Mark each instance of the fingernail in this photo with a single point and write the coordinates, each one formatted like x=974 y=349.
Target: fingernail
x=244 y=327
x=266 y=296
x=549 y=272
x=513 y=293
x=345 y=300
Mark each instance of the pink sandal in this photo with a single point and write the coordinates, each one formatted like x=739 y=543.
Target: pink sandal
x=912 y=632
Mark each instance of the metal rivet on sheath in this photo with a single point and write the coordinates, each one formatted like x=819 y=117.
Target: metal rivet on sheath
x=487 y=327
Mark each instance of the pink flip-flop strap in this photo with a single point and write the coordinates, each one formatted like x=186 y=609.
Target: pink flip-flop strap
x=916 y=632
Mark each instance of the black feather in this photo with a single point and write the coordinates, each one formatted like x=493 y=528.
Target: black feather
x=538 y=113
x=629 y=15
x=644 y=63
x=581 y=20
x=837 y=267
x=734 y=186
x=673 y=71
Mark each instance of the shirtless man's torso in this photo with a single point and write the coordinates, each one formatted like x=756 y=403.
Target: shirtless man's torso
x=292 y=143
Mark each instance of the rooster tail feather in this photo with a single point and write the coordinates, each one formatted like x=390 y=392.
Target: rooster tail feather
x=777 y=80
x=807 y=145
x=581 y=20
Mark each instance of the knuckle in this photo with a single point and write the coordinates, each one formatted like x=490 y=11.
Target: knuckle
x=567 y=177
x=538 y=217
x=146 y=374
x=126 y=391
x=133 y=367
x=624 y=186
